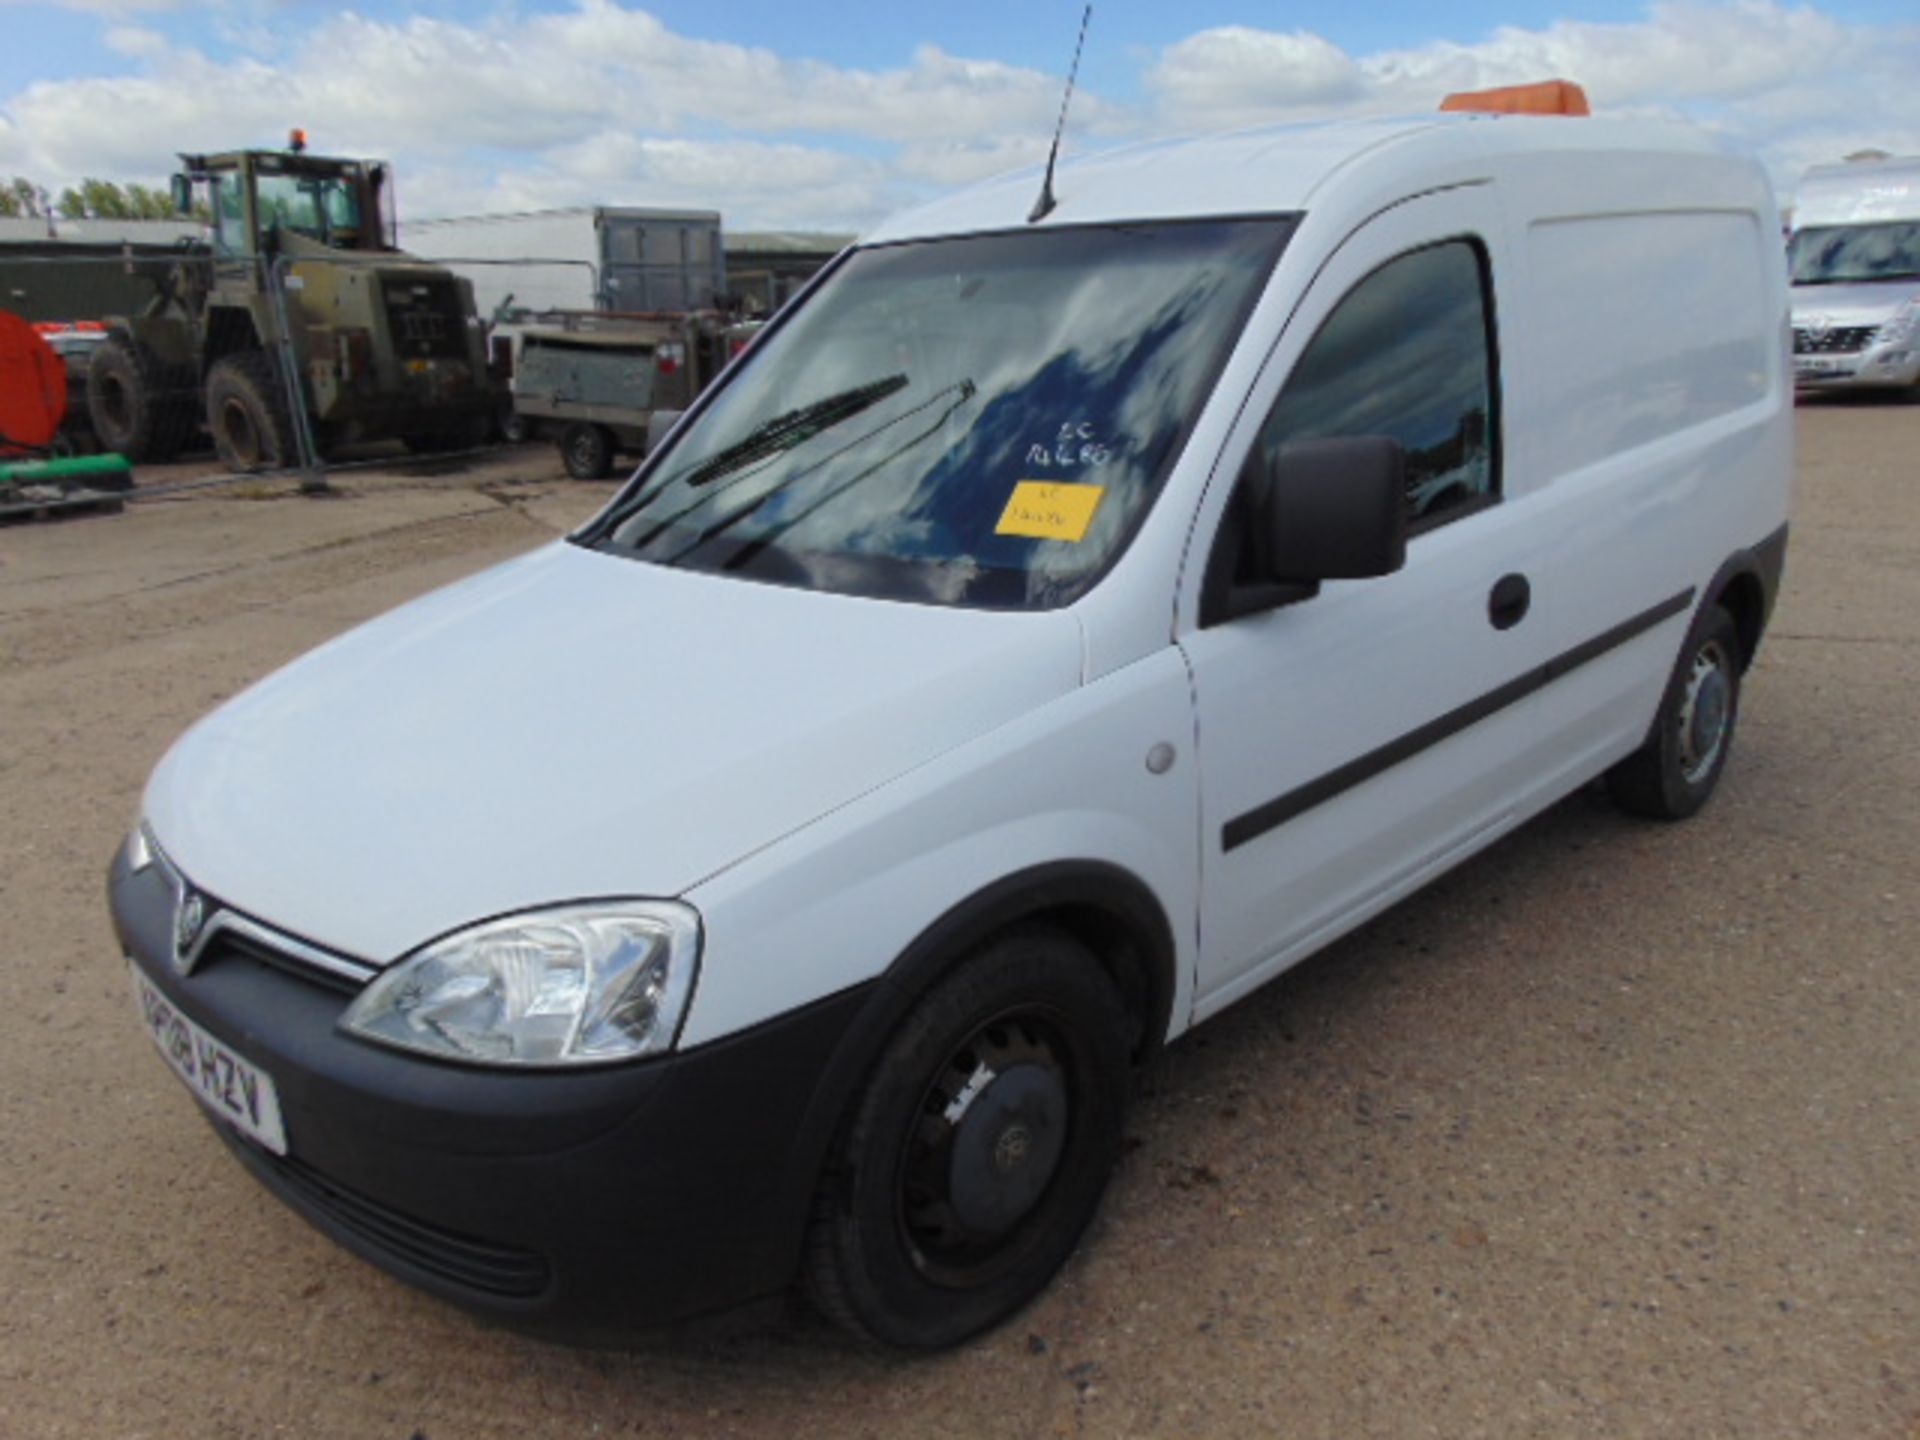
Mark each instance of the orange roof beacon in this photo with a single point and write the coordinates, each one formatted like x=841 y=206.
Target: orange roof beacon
x=1544 y=97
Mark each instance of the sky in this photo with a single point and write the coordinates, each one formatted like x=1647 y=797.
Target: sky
x=798 y=114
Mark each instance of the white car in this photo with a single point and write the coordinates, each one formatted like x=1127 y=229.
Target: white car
x=1048 y=632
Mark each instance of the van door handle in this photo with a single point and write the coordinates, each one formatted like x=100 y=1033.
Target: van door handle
x=1507 y=603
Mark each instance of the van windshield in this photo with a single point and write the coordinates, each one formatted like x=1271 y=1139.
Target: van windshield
x=981 y=421
x=1853 y=254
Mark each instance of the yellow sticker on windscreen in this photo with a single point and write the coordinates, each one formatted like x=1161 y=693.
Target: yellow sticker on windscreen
x=1050 y=510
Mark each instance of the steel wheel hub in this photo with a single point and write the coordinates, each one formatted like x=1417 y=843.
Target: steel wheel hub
x=986 y=1146
x=1006 y=1147
x=1705 y=710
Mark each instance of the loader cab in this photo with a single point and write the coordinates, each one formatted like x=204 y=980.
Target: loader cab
x=269 y=202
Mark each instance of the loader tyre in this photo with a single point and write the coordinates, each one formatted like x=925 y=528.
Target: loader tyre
x=247 y=413
x=138 y=405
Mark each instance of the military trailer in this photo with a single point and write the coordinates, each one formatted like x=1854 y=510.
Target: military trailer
x=609 y=384
x=386 y=346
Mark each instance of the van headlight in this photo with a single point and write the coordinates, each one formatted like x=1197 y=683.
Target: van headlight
x=580 y=985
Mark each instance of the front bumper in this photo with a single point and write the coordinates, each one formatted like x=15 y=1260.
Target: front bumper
x=584 y=1202
x=1879 y=367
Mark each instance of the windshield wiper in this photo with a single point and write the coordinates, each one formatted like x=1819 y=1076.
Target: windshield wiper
x=761 y=543
x=781 y=433
x=796 y=427
x=966 y=389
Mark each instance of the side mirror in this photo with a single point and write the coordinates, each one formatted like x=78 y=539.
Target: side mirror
x=1325 y=510
x=182 y=195
x=1332 y=510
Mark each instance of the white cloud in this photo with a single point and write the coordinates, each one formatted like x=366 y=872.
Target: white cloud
x=605 y=103
x=1234 y=70
x=1682 y=50
x=135 y=41
x=581 y=104
x=1788 y=79
x=796 y=185
x=951 y=163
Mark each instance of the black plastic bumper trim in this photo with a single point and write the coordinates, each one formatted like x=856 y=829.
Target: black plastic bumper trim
x=402 y=1241
x=1770 y=562
x=586 y=1204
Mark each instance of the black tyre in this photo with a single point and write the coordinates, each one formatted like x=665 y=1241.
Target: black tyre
x=587 y=451
x=1671 y=776
x=247 y=413
x=976 y=1156
x=135 y=404
x=510 y=425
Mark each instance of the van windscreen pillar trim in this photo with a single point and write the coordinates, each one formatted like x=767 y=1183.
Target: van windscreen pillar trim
x=1276 y=812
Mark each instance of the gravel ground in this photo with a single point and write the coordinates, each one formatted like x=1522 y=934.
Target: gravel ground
x=1610 y=1132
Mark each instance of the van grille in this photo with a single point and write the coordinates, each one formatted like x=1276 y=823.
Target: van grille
x=228 y=934
x=229 y=945
x=484 y=1266
x=1841 y=340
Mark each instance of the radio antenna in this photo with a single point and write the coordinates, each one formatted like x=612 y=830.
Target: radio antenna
x=1043 y=207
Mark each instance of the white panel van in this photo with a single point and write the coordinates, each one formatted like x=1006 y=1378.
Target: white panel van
x=1047 y=632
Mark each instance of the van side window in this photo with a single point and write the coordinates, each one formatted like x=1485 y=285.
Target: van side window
x=1408 y=353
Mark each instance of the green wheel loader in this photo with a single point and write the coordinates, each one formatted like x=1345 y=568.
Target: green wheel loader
x=302 y=259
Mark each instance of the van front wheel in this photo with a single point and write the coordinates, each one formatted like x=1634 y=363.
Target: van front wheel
x=976 y=1156
x=1672 y=775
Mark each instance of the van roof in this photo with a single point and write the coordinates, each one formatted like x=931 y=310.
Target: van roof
x=1280 y=168
x=1858 y=191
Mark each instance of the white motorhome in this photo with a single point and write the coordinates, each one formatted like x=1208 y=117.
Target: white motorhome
x=1059 y=622
x=1854 y=261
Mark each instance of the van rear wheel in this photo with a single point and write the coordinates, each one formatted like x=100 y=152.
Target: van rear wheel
x=976 y=1156
x=1672 y=775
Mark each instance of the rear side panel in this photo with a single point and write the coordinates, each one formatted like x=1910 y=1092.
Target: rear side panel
x=1650 y=410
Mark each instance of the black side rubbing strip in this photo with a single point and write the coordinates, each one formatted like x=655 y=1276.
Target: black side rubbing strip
x=1278 y=811
x=1619 y=635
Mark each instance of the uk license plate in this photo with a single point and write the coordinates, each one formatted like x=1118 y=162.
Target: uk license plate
x=1820 y=365
x=236 y=1090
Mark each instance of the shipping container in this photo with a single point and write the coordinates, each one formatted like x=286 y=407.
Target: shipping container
x=596 y=257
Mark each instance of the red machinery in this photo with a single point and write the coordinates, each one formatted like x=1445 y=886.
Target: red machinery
x=33 y=403
x=33 y=389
